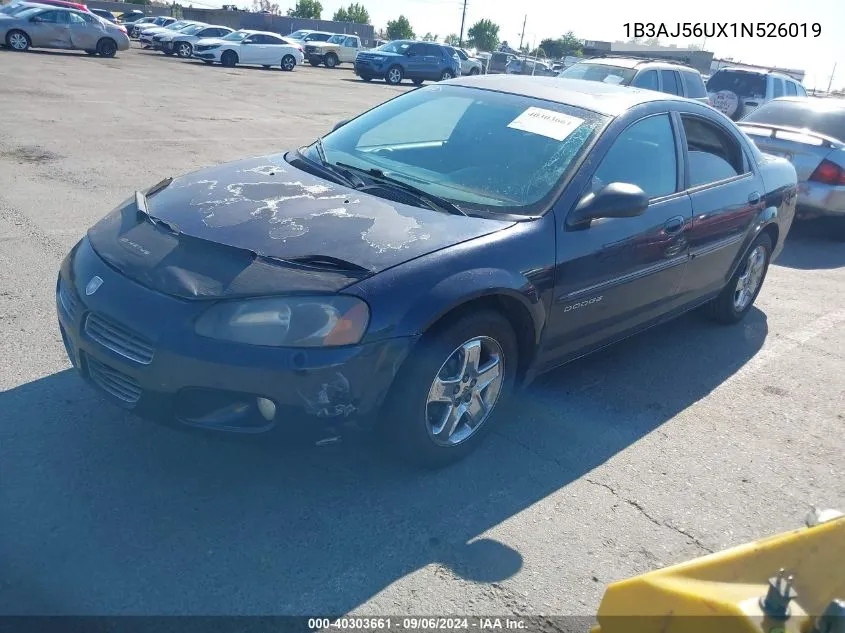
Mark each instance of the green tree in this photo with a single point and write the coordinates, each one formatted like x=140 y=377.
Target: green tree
x=306 y=9
x=652 y=41
x=428 y=37
x=399 y=29
x=353 y=13
x=483 y=35
x=571 y=45
x=452 y=39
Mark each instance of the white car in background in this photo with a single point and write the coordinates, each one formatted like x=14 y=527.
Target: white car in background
x=260 y=48
x=182 y=42
x=145 y=35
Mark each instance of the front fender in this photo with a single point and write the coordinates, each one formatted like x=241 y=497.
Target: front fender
x=470 y=285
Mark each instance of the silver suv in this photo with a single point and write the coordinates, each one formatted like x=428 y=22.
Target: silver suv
x=660 y=75
x=736 y=91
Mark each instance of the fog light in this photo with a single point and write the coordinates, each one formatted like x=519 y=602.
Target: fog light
x=266 y=408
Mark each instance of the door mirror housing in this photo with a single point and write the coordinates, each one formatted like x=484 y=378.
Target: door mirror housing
x=340 y=124
x=616 y=200
x=36 y=19
x=248 y=41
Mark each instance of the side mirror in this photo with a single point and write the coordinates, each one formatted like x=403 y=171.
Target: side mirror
x=36 y=19
x=247 y=41
x=616 y=200
x=340 y=124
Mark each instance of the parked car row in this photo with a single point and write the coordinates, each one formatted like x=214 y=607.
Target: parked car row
x=52 y=24
x=212 y=43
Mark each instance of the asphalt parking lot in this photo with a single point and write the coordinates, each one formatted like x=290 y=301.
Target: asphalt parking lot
x=685 y=440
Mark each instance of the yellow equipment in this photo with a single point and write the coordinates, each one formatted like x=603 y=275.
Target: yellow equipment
x=788 y=583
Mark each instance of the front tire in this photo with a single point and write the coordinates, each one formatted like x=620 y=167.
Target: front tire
x=18 y=41
x=229 y=59
x=736 y=299
x=288 y=63
x=331 y=60
x=394 y=75
x=442 y=402
x=315 y=61
x=184 y=49
x=447 y=74
x=474 y=71
x=107 y=47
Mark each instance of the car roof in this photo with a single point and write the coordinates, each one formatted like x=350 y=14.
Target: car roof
x=598 y=97
x=636 y=62
x=251 y=32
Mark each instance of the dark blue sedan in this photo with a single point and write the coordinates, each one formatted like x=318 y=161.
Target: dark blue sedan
x=405 y=59
x=414 y=266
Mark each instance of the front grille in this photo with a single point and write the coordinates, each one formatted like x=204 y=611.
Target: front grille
x=112 y=381
x=310 y=49
x=119 y=338
x=68 y=301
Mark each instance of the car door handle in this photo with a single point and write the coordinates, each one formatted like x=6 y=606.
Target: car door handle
x=754 y=198
x=673 y=226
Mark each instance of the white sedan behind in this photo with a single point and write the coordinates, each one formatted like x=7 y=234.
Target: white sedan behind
x=261 y=48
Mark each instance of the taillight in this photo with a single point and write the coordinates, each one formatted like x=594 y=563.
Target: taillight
x=829 y=173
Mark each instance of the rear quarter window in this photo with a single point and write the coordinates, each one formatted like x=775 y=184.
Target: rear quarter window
x=694 y=84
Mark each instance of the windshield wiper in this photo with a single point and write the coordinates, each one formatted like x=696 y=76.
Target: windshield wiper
x=432 y=201
x=345 y=176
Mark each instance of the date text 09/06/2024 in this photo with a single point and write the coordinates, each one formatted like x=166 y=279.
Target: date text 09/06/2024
x=417 y=624
x=723 y=29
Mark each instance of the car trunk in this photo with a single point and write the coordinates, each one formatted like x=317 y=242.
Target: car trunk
x=803 y=149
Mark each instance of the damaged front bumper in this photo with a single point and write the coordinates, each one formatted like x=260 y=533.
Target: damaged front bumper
x=138 y=347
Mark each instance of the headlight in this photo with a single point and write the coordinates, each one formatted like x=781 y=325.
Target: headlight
x=287 y=321
x=211 y=47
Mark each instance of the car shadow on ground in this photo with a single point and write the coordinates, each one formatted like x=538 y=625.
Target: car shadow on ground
x=106 y=513
x=812 y=245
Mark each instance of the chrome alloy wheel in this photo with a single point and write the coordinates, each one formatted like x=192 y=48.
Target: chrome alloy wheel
x=465 y=391
x=749 y=280
x=18 y=41
x=395 y=75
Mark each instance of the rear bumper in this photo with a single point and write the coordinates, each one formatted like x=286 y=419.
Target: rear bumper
x=818 y=199
x=137 y=347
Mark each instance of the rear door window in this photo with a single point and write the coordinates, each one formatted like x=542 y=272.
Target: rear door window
x=777 y=87
x=712 y=153
x=670 y=82
x=791 y=91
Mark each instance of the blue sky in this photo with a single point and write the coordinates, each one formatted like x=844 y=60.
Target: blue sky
x=604 y=20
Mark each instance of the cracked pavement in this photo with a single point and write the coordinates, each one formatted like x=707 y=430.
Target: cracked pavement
x=687 y=439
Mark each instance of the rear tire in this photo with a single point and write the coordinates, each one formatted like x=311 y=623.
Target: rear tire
x=737 y=297
x=446 y=74
x=288 y=63
x=394 y=75
x=474 y=71
x=411 y=415
x=315 y=61
x=18 y=41
x=107 y=47
x=229 y=59
x=183 y=49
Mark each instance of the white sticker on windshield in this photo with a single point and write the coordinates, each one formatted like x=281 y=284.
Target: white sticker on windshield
x=546 y=123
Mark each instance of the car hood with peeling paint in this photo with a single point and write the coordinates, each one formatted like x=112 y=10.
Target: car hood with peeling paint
x=263 y=206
